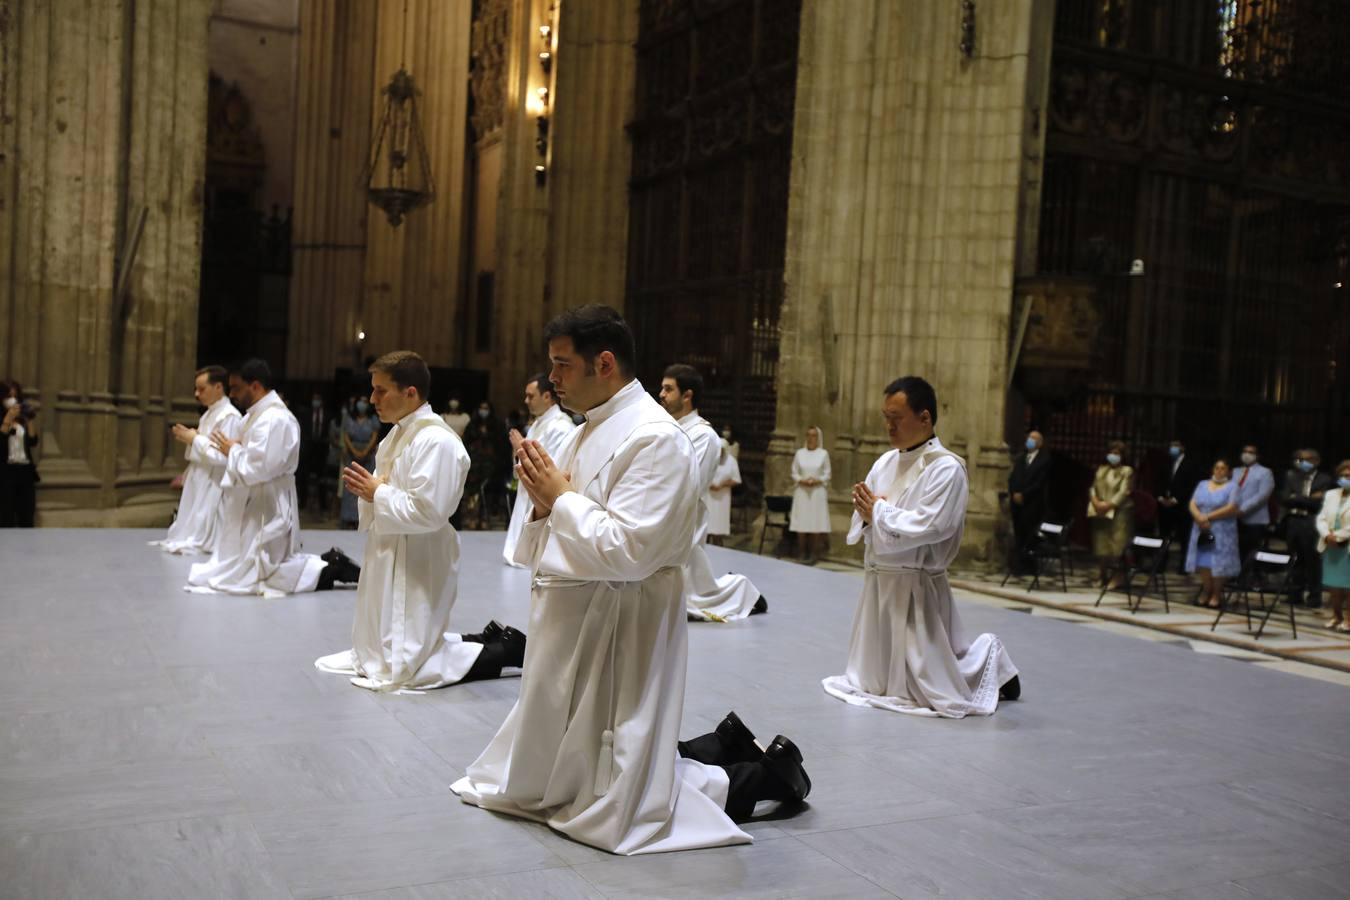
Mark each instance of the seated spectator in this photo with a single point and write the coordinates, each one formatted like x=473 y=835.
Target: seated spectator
x=1333 y=531
x=1111 y=512
x=1213 y=548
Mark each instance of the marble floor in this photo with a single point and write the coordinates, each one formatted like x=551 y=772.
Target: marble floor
x=163 y=744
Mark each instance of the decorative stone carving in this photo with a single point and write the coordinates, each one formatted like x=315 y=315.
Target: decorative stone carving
x=488 y=51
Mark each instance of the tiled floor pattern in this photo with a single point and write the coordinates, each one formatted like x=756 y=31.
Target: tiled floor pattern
x=164 y=744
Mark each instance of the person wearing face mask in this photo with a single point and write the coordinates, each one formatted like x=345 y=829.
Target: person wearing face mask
x=486 y=441
x=909 y=653
x=1333 y=542
x=455 y=417
x=360 y=436
x=1304 y=489
x=733 y=445
x=313 y=449
x=1111 y=511
x=1175 y=485
x=18 y=474
x=1028 y=488
x=1255 y=484
x=1213 y=548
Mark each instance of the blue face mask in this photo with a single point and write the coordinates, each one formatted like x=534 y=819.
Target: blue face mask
x=1344 y=483
x=362 y=407
x=1031 y=444
x=1113 y=458
x=1174 y=452
x=1306 y=465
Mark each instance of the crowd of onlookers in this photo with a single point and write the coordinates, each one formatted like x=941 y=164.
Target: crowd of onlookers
x=1213 y=514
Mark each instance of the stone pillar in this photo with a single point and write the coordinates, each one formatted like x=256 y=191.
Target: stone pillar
x=563 y=243
x=903 y=231
x=103 y=129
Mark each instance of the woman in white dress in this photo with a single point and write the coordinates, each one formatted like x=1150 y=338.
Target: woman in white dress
x=810 y=518
x=725 y=477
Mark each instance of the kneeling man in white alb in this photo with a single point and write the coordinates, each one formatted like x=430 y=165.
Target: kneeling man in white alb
x=909 y=653
x=410 y=572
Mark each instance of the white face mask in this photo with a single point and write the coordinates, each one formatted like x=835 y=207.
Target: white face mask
x=1113 y=458
x=1248 y=459
x=10 y=403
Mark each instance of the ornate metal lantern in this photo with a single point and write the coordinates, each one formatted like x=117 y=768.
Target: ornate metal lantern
x=402 y=183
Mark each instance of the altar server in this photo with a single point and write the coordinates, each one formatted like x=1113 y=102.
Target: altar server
x=410 y=572
x=707 y=598
x=551 y=425
x=908 y=652
x=590 y=748
x=258 y=551
x=197 y=526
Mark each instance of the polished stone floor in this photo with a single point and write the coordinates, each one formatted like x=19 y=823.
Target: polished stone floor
x=163 y=744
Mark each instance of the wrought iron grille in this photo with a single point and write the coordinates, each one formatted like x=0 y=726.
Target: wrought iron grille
x=712 y=146
x=1208 y=140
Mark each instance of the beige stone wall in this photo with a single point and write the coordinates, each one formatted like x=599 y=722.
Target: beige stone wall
x=404 y=287
x=102 y=115
x=908 y=167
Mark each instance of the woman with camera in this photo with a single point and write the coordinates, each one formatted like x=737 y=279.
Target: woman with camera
x=1213 y=549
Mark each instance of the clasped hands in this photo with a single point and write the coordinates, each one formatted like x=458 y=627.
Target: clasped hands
x=542 y=480
x=221 y=442
x=864 y=501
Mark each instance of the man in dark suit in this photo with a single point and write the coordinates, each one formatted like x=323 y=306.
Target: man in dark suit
x=1174 y=487
x=1028 y=489
x=1301 y=499
x=313 y=449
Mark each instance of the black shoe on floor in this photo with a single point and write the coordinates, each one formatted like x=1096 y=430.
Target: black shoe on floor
x=738 y=740
x=761 y=606
x=1011 y=690
x=784 y=761
x=340 y=567
x=492 y=631
x=512 y=643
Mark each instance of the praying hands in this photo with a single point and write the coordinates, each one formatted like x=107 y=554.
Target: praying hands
x=222 y=443
x=542 y=480
x=360 y=482
x=864 y=501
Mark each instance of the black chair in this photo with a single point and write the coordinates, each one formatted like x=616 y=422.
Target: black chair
x=1051 y=545
x=1144 y=556
x=777 y=514
x=1264 y=573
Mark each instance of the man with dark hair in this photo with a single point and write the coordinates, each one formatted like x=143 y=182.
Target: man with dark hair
x=550 y=427
x=196 y=528
x=1175 y=484
x=909 y=653
x=410 y=574
x=590 y=748
x=259 y=547
x=706 y=598
x=1028 y=491
x=1305 y=486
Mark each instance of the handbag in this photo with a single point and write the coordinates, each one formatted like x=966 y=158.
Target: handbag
x=1205 y=539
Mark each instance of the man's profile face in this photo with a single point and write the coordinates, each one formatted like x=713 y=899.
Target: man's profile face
x=535 y=401
x=674 y=402
x=576 y=380
x=200 y=389
x=903 y=427
x=1038 y=438
x=391 y=402
x=238 y=391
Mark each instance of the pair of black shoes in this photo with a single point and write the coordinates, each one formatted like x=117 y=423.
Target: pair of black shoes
x=781 y=758
x=340 y=568
x=761 y=606
x=511 y=642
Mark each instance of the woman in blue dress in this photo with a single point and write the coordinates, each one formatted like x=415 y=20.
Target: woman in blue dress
x=360 y=437
x=1213 y=549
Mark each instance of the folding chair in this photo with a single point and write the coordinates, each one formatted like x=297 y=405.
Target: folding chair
x=777 y=514
x=1052 y=544
x=1146 y=556
x=1264 y=572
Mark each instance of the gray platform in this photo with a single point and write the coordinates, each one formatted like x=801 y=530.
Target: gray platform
x=163 y=744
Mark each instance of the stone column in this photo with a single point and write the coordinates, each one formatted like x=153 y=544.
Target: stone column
x=903 y=231
x=104 y=115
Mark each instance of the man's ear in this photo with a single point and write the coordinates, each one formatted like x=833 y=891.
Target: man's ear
x=605 y=364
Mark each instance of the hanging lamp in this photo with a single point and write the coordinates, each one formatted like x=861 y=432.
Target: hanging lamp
x=398 y=177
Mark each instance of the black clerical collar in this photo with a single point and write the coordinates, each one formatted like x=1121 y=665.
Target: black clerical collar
x=918 y=445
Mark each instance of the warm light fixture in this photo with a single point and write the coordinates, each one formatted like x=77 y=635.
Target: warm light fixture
x=404 y=182
x=360 y=335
